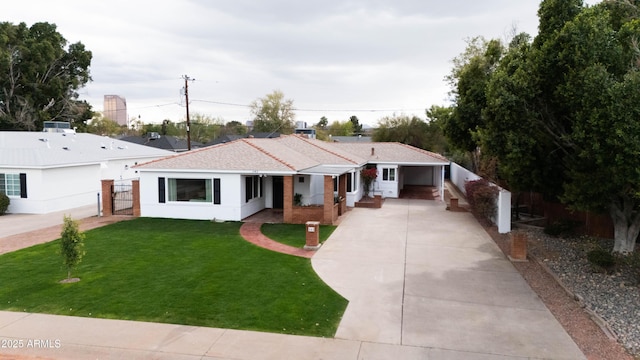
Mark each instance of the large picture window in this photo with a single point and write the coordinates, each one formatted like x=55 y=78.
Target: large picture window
x=190 y=190
x=13 y=184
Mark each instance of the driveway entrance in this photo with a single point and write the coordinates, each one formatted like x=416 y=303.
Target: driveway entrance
x=434 y=281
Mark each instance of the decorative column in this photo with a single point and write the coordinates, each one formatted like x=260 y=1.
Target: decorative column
x=342 y=193
x=328 y=200
x=287 y=202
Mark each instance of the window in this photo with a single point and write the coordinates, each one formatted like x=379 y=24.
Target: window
x=14 y=184
x=190 y=190
x=388 y=174
x=350 y=184
x=253 y=187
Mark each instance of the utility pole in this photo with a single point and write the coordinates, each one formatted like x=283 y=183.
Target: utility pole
x=186 y=97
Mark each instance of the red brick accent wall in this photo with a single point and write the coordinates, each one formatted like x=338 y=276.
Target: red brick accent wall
x=135 y=188
x=302 y=214
x=107 y=203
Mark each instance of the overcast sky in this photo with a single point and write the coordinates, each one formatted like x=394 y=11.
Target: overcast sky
x=333 y=58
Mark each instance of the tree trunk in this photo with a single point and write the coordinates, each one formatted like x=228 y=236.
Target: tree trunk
x=626 y=224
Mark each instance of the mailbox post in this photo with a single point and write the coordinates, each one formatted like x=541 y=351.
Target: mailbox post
x=312 y=229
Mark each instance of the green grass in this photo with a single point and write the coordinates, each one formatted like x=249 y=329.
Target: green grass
x=174 y=271
x=293 y=234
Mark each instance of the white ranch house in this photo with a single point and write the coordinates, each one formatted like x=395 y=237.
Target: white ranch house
x=44 y=172
x=234 y=180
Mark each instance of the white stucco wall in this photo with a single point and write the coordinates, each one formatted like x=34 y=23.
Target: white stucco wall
x=460 y=175
x=231 y=205
x=388 y=189
x=56 y=189
x=304 y=188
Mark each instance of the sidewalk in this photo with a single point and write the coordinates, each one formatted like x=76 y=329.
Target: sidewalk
x=19 y=231
x=423 y=283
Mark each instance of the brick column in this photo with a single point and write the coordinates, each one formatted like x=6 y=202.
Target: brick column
x=287 y=202
x=342 y=192
x=135 y=189
x=327 y=217
x=107 y=203
x=518 y=251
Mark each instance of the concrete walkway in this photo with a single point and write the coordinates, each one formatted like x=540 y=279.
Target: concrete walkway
x=423 y=283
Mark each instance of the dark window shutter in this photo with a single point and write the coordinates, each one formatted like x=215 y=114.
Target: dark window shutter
x=349 y=182
x=23 y=186
x=216 y=191
x=248 y=185
x=161 y=192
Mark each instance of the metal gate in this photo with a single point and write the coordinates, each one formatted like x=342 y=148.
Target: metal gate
x=122 y=199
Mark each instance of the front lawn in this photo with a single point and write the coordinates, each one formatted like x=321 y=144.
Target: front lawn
x=293 y=234
x=174 y=271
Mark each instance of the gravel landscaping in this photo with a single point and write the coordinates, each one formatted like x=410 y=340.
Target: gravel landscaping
x=613 y=295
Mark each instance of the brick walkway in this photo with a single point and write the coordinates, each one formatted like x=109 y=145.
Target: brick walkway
x=250 y=231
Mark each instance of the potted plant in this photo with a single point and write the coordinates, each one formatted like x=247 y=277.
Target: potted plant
x=297 y=199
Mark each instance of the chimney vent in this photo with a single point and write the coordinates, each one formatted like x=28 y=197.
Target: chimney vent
x=373 y=151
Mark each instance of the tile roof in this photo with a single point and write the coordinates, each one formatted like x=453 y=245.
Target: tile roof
x=291 y=154
x=238 y=155
x=20 y=149
x=392 y=152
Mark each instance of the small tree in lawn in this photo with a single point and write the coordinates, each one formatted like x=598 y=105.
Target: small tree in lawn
x=71 y=245
x=368 y=177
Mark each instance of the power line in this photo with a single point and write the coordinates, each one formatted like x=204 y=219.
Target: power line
x=316 y=110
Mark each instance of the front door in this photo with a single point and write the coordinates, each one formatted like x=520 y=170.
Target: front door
x=278 y=192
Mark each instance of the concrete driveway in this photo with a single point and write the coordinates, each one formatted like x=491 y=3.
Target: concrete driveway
x=434 y=282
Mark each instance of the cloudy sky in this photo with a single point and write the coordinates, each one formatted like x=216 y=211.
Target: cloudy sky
x=333 y=58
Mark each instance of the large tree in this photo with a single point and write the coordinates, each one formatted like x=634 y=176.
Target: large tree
x=562 y=113
x=40 y=77
x=468 y=80
x=405 y=129
x=273 y=113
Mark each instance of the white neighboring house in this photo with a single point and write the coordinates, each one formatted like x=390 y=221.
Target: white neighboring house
x=231 y=181
x=44 y=172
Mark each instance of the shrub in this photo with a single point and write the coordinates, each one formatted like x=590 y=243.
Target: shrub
x=601 y=258
x=4 y=203
x=633 y=262
x=71 y=244
x=561 y=227
x=482 y=196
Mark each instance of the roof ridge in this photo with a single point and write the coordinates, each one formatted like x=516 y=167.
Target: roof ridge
x=183 y=154
x=246 y=141
x=307 y=140
x=430 y=153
